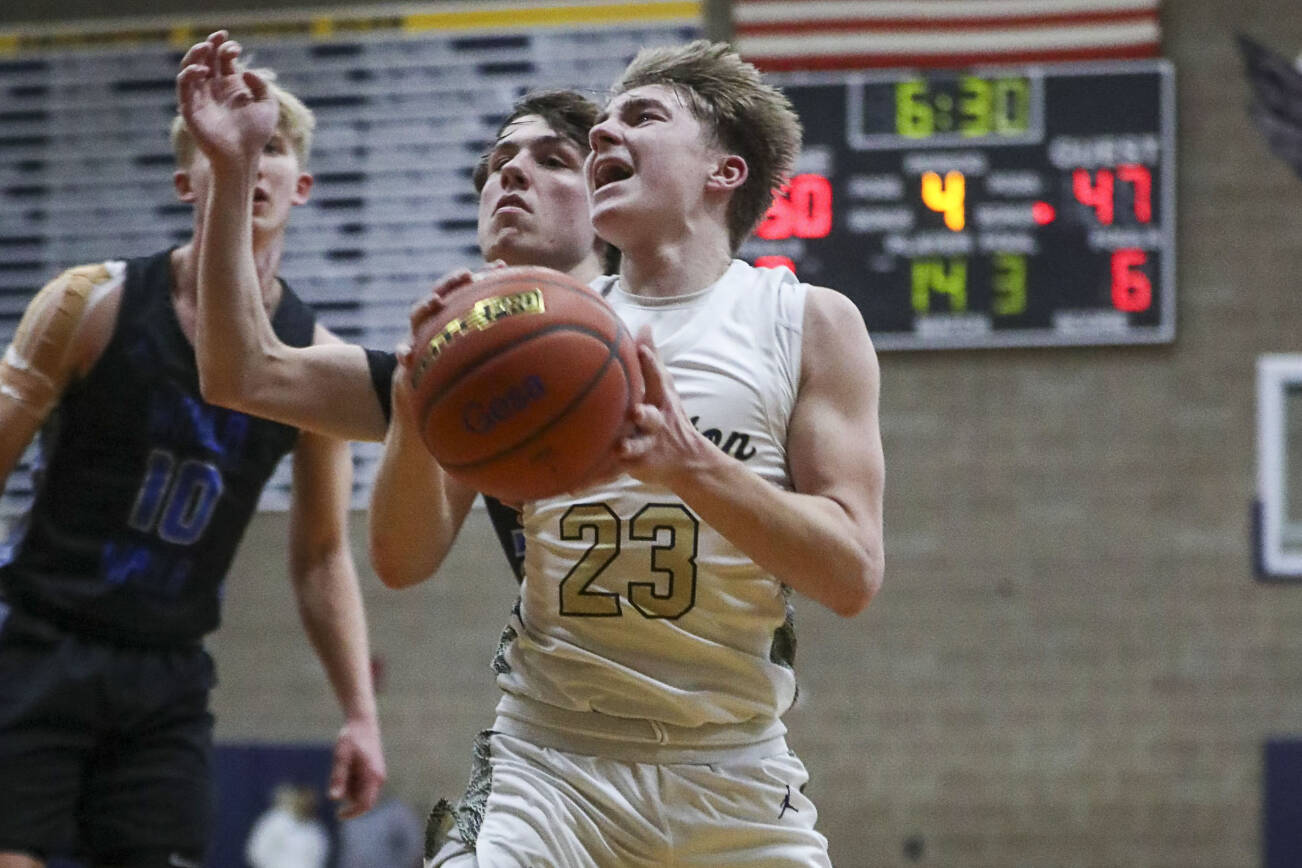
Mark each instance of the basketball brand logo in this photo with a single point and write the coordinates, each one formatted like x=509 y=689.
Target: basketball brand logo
x=482 y=315
x=482 y=417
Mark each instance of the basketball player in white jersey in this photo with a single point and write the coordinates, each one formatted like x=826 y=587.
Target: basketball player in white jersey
x=647 y=666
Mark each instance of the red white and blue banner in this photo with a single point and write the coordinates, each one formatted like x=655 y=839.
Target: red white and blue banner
x=782 y=35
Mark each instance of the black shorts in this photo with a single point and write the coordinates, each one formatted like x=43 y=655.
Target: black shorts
x=105 y=751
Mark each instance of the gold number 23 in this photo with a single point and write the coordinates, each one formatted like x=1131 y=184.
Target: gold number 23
x=671 y=528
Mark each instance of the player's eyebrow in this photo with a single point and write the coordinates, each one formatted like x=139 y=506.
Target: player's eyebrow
x=636 y=103
x=551 y=140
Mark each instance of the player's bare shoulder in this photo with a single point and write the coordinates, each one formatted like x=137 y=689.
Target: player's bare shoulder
x=68 y=322
x=824 y=306
x=832 y=315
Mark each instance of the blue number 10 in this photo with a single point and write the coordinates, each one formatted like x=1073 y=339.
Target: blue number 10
x=184 y=495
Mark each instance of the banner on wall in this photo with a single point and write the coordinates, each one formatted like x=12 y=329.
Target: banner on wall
x=831 y=34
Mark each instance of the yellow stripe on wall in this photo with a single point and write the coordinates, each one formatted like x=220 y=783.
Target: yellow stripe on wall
x=552 y=16
x=182 y=32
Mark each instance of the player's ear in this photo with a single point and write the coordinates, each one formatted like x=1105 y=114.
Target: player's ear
x=184 y=188
x=302 y=188
x=730 y=172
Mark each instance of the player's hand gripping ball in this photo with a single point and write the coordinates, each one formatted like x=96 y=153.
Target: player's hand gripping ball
x=523 y=382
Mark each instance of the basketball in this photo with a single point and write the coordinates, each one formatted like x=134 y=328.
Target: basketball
x=523 y=382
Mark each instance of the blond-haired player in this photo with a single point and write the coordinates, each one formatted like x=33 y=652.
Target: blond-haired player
x=117 y=572
x=649 y=662
x=533 y=210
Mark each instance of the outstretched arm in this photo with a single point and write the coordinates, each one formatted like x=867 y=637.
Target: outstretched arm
x=823 y=539
x=330 y=603
x=325 y=387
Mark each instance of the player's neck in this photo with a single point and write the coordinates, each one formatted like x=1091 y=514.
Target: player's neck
x=587 y=270
x=266 y=260
x=185 y=274
x=670 y=269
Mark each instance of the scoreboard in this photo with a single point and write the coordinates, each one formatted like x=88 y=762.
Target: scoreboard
x=1010 y=206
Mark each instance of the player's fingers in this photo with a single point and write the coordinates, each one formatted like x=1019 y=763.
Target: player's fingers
x=370 y=792
x=256 y=84
x=653 y=372
x=348 y=800
x=198 y=53
x=404 y=354
x=434 y=302
x=632 y=449
x=227 y=54
x=424 y=309
x=648 y=419
x=494 y=265
x=188 y=81
x=340 y=769
x=452 y=280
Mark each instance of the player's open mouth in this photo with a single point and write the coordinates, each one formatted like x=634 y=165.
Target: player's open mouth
x=609 y=170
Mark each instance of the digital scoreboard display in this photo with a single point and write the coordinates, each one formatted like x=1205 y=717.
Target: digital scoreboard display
x=1027 y=206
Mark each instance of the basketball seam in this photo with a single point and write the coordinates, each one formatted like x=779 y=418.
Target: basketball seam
x=612 y=355
x=628 y=394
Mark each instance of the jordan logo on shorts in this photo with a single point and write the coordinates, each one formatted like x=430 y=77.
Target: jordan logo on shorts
x=786 y=804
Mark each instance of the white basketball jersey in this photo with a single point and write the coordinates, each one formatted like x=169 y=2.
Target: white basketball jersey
x=630 y=605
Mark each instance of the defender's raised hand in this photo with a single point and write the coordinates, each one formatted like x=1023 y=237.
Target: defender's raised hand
x=228 y=108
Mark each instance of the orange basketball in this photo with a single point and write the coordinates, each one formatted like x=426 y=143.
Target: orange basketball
x=523 y=382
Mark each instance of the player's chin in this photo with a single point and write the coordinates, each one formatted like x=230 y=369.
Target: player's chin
x=267 y=221
x=612 y=222
x=506 y=239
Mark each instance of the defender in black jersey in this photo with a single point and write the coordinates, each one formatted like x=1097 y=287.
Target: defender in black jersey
x=533 y=211
x=111 y=581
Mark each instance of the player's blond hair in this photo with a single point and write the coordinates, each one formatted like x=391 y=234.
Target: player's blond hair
x=296 y=123
x=748 y=117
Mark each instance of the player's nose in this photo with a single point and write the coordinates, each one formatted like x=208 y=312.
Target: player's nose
x=603 y=134
x=515 y=174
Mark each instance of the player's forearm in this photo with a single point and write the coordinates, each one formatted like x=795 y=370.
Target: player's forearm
x=416 y=511
x=330 y=604
x=809 y=542
x=234 y=336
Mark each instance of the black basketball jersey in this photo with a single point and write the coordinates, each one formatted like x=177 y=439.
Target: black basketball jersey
x=144 y=489
x=506 y=521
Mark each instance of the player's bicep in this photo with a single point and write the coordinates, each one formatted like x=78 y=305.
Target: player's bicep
x=834 y=446
x=17 y=428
